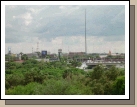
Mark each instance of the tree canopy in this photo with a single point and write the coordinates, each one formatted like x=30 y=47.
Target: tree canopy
x=58 y=78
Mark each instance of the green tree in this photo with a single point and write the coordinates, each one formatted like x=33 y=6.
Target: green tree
x=34 y=75
x=55 y=87
x=32 y=88
x=112 y=73
x=21 y=53
x=98 y=89
x=119 y=86
x=14 y=80
x=24 y=57
x=33 y=57
x=67 y=74
x=108 y=88
x=97 y=72
x=75 y=63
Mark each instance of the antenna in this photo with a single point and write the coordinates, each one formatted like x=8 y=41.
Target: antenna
x=85 y=34
x=32 y=49
x=68 y=48
x=62 y=45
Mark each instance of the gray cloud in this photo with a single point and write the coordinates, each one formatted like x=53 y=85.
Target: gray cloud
x=26 y=22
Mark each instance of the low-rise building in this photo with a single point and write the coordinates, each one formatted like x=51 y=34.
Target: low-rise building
x=45 y=60
x=52 y=56
x=30 y=55
x=72 y=54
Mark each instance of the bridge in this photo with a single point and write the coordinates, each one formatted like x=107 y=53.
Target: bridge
x=105 y=63
x=108 y=64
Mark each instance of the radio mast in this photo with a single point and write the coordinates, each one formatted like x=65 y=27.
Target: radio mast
x=37 y=46
x=85 y=35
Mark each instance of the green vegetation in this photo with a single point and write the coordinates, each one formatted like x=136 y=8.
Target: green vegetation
x=24 y=57
x=115 y=57
x=9 y=57
x=59 y=78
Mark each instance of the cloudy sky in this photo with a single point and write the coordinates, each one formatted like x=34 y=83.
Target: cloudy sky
x=63 y=26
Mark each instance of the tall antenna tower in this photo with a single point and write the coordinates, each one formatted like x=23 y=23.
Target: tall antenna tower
x=32 y=49
x=85 y=34
x=37 y=46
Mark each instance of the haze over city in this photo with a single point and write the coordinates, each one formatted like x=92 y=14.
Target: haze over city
x=63 y=26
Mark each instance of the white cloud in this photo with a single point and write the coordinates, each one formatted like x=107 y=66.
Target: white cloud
x=34 y=11
x=27 y=18
x=57 y=41
x=62 y=7
x=14 y=17
x=9 y=25
x=12 y=7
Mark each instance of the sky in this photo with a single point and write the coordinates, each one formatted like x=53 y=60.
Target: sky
x=56 y=27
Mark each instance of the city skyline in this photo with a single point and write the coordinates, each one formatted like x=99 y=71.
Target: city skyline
x=62 y=26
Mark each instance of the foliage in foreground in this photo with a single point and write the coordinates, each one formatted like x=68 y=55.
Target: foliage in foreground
x=57 y=78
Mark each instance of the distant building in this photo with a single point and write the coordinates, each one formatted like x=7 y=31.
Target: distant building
x=109 y=52
x=65 y=54
x=103 y=53
x=53 y=59
x=122 y=54
x=102 y=56
x=13 y=55
x=72 y=54
x=19 y=56
x=117 y=54
x=30 y=55
x=48 y=53
x=43 y=53
x=59 y=53
x=59 y=50
x=45 y=60
x=52 y=56
x=114 y=54
x=9 y=50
